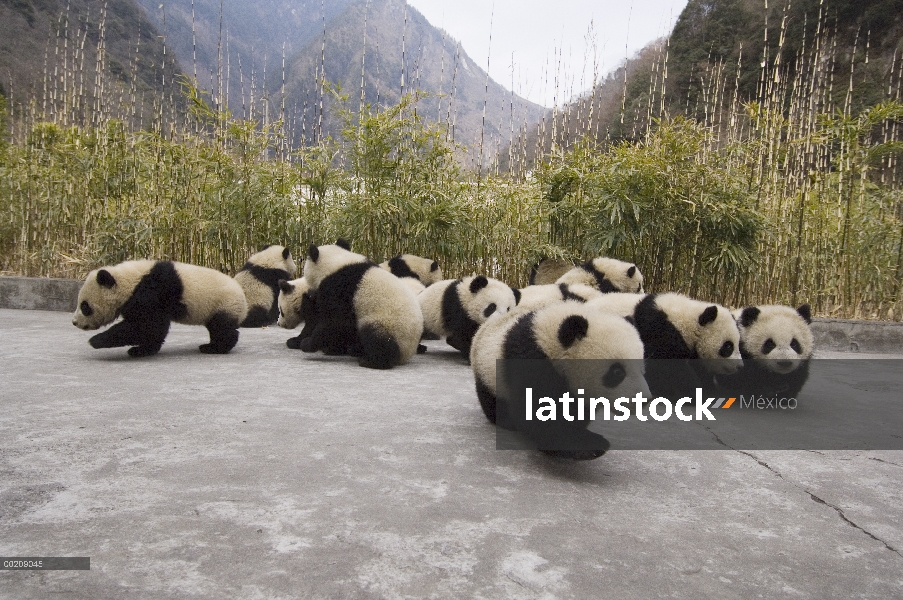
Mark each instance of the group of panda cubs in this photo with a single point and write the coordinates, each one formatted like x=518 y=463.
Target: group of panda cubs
x=380 y=313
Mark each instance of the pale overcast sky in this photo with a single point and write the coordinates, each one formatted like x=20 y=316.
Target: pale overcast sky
x=533 y=30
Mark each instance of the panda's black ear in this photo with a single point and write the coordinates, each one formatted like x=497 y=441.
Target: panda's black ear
x=478 y=283
x=105 y=279
x=434 y=266
x=749 y=316
x=286 y=287
x=516 y=295
x=708 y=315
x=805 y=311
x=343 y=243
x=286 y=253
x=313 y=252
x=631 y=271
x=572 y=329
x=264 y=247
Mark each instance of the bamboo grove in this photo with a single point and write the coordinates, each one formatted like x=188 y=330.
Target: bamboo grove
x=792 y=198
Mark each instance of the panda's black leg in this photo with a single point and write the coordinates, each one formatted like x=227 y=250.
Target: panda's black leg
x=316 y=340
x=223 y=330
x=341 y=340
x=309 y=325
x=257 y=316
x=380 y=350
x=151 y=334
x=124 y=333
x=459 y=343
x=487 y=399
x=146 y=336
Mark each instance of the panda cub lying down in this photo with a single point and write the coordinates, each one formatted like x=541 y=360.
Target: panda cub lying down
x=149 y=295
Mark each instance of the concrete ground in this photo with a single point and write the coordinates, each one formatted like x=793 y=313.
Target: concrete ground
x=268 y=473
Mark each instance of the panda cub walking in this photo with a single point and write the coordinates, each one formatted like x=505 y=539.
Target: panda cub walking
x=360 y=307
x=259 y=278
x=150 y=295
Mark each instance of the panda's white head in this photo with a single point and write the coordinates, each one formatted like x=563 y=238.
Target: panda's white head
x=778 y=335
x=484 y=298
x=275 y=257
x=624 y=276
x=718 y=341
x=708 y=329
x=291 y=302
x=607 y=275
x=323 y=261
x=99 y=300
x=572 y=330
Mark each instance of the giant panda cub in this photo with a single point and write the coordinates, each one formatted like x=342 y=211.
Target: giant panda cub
x=455 y=308
x=359 y=308
x=259 y=278
x=606 y=275
x=776 y=344
x=566 y=330
x=411 y=266
x=534 y=296
x=673 y=326
x=296 y=306
x=150 y=294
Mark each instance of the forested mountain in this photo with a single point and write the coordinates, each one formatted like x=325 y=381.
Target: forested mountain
x=230 y=49
x=867 y=33
x=843 y=54
x=49 y=53
x=235 y=40
x=405 y=53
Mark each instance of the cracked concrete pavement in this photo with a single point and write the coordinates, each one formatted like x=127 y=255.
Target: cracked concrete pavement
x=267 y=473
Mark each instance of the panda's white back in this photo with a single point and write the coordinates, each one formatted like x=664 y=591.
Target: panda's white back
x=207 y=292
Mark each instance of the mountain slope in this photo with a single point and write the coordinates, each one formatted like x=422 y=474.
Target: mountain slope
x=712 y=31
x=717 y=56
x=252 y=32
x=48 y=51
x=432 y=62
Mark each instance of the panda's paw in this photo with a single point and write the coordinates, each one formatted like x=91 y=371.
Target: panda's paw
x=307 y=345
x=574 y=454
x=139 y=351
x=421 y=349
x=99 y=341
x=293 y=343
x=211 y=349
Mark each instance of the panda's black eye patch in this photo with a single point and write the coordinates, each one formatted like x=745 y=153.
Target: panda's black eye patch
x=727 y=348
x=796 y=346
x=489 y=310
x=86 y=308
x=614 y=376
x=768 y=346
